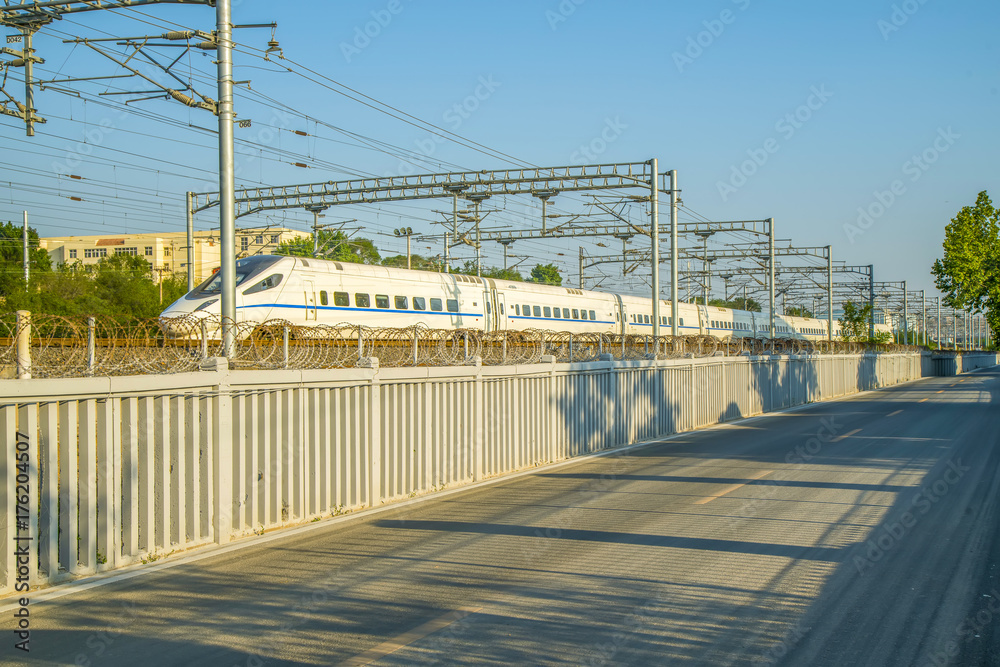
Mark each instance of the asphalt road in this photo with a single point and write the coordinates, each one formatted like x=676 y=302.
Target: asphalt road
x=858 y=532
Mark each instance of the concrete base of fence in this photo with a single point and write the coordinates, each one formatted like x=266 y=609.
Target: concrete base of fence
x=143 y=466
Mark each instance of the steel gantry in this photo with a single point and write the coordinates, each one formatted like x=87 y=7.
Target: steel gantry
x=28 y=18
x=476 y=186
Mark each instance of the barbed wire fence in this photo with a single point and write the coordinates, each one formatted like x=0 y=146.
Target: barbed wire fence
x=52 y=346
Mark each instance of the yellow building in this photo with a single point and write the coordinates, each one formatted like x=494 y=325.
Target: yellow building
x=166 y=253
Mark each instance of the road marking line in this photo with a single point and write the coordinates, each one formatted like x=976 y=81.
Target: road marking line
x=940 y=392
x=407 y=638
x=893 y=414
x=923 y=399
x=846 y=435
x=730 y=489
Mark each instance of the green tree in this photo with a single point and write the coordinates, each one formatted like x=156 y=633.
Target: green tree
x=854 y=323
x=125 y=284
x=736 y=304
x=468 y=268
x=798 y=311
x=969 y=272
x=333 y=245
x=12 y=262
x=545 y=274
x=417 y=262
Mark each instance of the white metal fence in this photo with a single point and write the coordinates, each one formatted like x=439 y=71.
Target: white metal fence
x=123 y=469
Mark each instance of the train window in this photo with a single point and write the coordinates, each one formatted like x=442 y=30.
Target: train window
x=517 y=309
x=593 y=315
x=576 y=314
x=682 y=321
x=547 y=312
x=419 y=303
x=501 y=309
x=565 y=313
x=647 y=319
x=267 y=283
x=536 y=311
x=616 y=317
x=323 y=298
x=452 y=305
x=341 y=299
x=401 y=303
x=362 y=300
x=489 y=310
x=381 y=301
x=436 y=305
x=526 y=310
x=556 y=313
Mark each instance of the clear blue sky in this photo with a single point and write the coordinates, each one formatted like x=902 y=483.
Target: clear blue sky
x=704 y=87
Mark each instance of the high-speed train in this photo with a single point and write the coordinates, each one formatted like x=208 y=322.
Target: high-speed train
x=314 y=291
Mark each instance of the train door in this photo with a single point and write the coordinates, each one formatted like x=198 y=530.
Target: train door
x=501 y=306
x=310 y=299
x=493 y=301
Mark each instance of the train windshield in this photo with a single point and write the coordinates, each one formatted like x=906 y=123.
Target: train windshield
x=245 y=270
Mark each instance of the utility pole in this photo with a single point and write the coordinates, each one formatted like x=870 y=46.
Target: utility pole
x=190 y=242
x=906 y=316
x=674 y=289
x=316 y=210
x=829 y=293
x=581 y=263
x=27 y=255
x=871 y=301
x=770 y=272
x=227 y=182
x=447 y=252
x=938 y=300
x=407 y=232
x=654 y=224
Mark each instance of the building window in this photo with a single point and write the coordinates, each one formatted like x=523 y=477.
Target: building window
x=244 y=243
x=259 y=240
x=95 y=252
x=166 y=252
x=149 y=251
x=72 y=254
x=274 y=238
x=126 y=251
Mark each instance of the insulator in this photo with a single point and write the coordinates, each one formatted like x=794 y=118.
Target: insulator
x=179 y=34
x=181 y=97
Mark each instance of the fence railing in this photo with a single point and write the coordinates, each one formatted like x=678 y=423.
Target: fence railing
x=43 y=346
x=122 y=470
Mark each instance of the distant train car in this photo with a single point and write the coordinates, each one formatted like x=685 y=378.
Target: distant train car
x=314 y=291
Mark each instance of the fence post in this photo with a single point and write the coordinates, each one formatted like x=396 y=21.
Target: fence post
x=478 y=445
x=222 y=464
x=23 y=345
x=570 y=348
x=284 y=346
x=416 y=354
x=204 y=341
x=91 y=345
